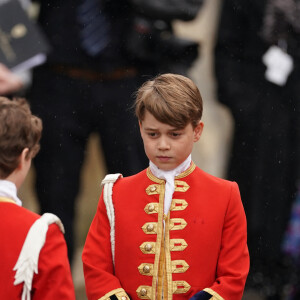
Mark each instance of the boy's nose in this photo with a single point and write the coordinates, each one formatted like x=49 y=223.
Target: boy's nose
x=163 y=144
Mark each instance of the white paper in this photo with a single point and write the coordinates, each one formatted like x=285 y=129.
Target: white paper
x=279 y=65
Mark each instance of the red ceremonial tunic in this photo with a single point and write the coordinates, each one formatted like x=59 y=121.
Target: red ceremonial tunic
x=53 y=280
x=200 y=245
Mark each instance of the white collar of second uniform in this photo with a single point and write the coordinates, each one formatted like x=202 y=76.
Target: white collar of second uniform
x=9 y=190
x=169 y=177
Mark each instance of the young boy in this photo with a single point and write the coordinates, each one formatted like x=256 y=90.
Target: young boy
x=171 y=231
x=33 y=260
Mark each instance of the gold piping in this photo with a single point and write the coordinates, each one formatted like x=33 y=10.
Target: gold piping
x=181 y=186
x=181 y=175
x=178 y=244
x=180 y=287
x=159 y=235
x=161 y=272
x=168 y=258
x=179 y=266
x=154 y=178
x=4 y=199
x=119 y=293
x=187 y=172
x=181 y=205
x=215 y=295
x=177 y=224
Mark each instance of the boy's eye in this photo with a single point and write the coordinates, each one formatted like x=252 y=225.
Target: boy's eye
x=152 y=134
x=175 y=134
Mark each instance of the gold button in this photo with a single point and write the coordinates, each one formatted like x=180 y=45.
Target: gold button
x=150 y=227
x=123 y=298
x=151 y=207
x=146 y=269
x=148 y=247
x=143 y=292
x=153 y=188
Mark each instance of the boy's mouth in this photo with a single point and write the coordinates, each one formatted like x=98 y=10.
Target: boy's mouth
x=164 y=158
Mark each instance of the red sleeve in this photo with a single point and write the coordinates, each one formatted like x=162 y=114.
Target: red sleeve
x=54 y=279
x=233 y=263
x=100 y=281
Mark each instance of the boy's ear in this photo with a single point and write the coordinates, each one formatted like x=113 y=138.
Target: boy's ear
x=198 y=131
x=140 y=126
x=23 y=157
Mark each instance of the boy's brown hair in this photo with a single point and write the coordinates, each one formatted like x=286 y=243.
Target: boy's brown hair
x=19 y=129
x=172 y=99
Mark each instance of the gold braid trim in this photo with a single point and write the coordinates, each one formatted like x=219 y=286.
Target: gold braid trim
x=119 y=293
x=215 y=295
x=181 y=175
x=4 y=199
x=154 y=178
x=187 y=172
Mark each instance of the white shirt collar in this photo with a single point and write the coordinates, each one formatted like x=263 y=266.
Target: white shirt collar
x=9 y=190
x=175 y=172
x=169 y=177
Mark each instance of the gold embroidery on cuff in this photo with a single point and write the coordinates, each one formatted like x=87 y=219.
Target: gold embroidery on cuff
x=151 y=208
x=180 y=287
x=179 y=266
x=153 y=189
x=178 y=204
x=148 y=247
x=181 y=186
x=215 y=295
x=178 y=244
x=146 y=269
x=150 y=228
x=144 y=292
x=119 y=293
x=177 y=224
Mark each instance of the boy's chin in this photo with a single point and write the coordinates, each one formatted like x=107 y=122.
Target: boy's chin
x=167 y=167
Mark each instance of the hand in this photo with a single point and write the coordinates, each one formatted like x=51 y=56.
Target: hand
x=9 y=82
x=201 y=296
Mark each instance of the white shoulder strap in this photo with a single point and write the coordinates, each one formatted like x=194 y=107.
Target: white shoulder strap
x=27 y=263
x=108 y=183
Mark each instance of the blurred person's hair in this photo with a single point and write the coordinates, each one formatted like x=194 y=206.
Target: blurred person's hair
x=19 y=129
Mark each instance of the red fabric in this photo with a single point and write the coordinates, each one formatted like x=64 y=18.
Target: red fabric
x=53 y=280
x=216 y=235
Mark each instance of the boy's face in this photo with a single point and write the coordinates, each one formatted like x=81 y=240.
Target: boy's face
x=167 y=147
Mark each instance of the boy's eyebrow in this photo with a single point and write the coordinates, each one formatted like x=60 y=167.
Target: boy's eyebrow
x=150 y=129
x=154 y=129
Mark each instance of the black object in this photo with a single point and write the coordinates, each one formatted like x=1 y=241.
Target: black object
x=22 y=43
x=153 y=41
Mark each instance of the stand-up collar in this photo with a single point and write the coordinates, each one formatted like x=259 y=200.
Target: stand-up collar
x=9 y=190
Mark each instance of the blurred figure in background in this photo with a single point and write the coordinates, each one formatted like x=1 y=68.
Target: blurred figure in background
x=9 y=82
x=87 y=86
x=291 y=246
x=257 y=65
